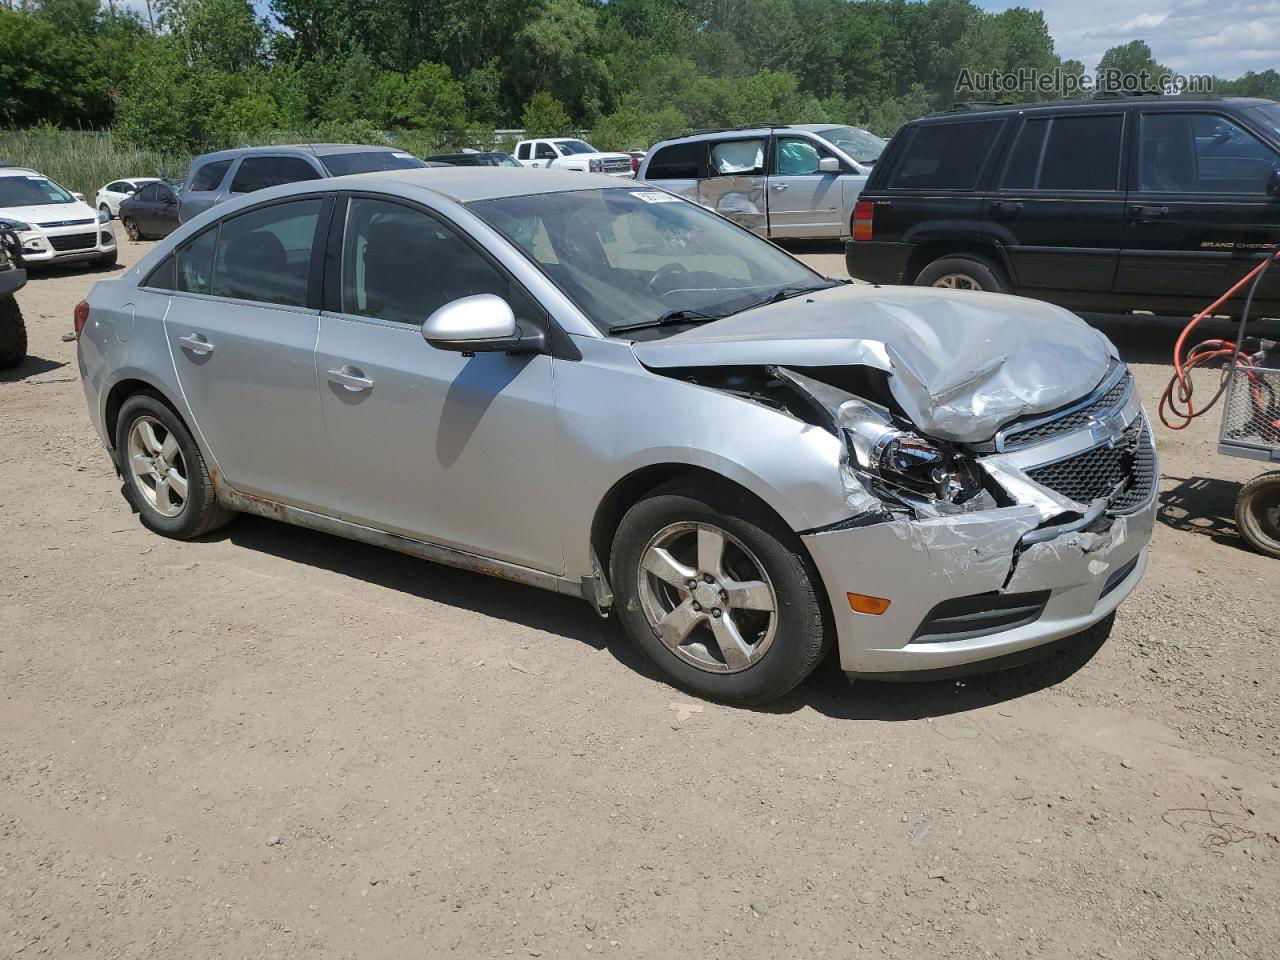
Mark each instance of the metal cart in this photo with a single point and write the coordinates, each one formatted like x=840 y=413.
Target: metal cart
x=1251 y=429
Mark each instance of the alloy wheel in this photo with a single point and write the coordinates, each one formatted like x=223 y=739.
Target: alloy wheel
x=157 y=466
x=708 y=597
x=957 y=281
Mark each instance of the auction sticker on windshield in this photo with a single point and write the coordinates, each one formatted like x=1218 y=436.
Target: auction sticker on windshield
x=655 y=196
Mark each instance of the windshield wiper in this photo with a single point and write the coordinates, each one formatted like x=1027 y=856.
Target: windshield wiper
x=670 y=318
x=786 y=293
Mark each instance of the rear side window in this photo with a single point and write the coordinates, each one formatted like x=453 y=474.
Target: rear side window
x=265 y=254
x=522 y=152
x=194 y=263
x=1066 y=153
x=258 y=173
x=371 y=161
x=737 y=158
x=209 y=176
x=946 y=156
x=676 y=162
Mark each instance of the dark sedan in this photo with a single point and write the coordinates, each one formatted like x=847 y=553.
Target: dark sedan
x=152 y=212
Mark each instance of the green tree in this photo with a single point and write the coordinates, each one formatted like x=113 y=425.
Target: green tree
x=47 y=76
x=544 y=116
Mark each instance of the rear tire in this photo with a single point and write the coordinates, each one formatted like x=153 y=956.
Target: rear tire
x=964 y=271
x=1258 y=513
x=756 y=624
x=103 y=208
x=131 y=229
x=13 y=334
x=154 y=447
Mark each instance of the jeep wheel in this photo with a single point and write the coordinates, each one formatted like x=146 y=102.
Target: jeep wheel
x=13 y=333
x=963 y=272
x=1258 y=513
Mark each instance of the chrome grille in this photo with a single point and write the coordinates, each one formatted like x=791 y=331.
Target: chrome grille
x=1040 y=431
x=1124 y=472
x=616 y=165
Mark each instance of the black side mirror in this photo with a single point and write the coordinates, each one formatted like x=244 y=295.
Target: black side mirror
x=1273 y=182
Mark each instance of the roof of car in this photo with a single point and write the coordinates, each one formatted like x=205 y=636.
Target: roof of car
x=1121 y=102
x=465 y=184
x=312 y=149
x=11 y=171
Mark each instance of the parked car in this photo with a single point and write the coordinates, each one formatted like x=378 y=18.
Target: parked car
x=475 y=158
x=53 y=224
x=152 y=212
x=1131 y=203
x=216 y=177
x=110 y=197
x=13 y=330
x=614 y=393
x=799 y=181
x=568 y=153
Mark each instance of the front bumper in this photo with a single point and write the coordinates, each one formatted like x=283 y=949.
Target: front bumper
x=1079 y=577
x=66 y=244
x=877 y=261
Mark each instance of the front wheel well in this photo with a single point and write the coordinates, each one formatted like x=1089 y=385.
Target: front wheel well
x=935 y=248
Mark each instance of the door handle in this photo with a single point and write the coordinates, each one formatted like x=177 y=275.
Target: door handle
x=1147 y=213
x=196 y=344
x=779 y=186
x=1006 y=206
x=350 y=378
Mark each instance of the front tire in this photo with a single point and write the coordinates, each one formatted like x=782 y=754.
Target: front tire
x=1258 y=513
x=718 y=593
x=967 y=271
x=13 y=334
x=107 y=259
x=165 y=476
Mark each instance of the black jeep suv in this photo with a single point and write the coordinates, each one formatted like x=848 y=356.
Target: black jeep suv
x=1153 y=203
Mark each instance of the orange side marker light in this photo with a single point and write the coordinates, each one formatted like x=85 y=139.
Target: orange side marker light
x=861 y=603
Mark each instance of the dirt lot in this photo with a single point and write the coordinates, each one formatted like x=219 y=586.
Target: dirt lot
x=278 y=744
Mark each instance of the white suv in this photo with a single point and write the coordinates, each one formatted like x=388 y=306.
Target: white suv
x=110 y=196
x=566 y=153
x=53 y=224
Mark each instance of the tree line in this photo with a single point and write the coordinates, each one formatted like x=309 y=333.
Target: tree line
x=193 y=74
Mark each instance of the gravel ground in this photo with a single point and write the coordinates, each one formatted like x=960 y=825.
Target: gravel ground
x=273 y=743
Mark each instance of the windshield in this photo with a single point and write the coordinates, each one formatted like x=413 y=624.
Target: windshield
x=31 y=190
x=629 y=257
x=341 y=164
x=1269 y=116
x=575 y=146
x=862 y=145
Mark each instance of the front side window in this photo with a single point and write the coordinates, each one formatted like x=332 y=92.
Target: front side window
x=544 y=152
x=569 y=147
x=401 y=264
x=862 y=145
x=946 y=156
x=258 y=173
x=371 y=161
x=797 y=157
x=164 y=194
x=148 y=193
x=209 y=176
x=31 y=190
x=631 y=257
x=676 y=162
x=738 y=158
x=265 y=254
x=194 y=263
x=1201 y=153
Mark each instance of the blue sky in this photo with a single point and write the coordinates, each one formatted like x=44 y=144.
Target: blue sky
x=1222 y=37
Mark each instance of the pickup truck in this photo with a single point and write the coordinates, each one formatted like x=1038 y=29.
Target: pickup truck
x=566 y=153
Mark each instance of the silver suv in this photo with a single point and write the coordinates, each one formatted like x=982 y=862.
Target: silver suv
x=800 y=181
x=216 y=177
x=610 y=392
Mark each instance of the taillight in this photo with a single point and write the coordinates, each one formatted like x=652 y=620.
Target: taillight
x=863 y=213
x=81 y=316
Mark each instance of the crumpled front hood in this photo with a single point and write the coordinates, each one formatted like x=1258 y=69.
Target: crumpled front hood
x=961 y=364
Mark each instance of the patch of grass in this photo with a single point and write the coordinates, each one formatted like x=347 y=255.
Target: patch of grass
x=84 y=160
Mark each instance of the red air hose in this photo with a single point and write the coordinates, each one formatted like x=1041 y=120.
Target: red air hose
x=1177 y=408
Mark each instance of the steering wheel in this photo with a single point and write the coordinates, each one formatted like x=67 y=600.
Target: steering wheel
x=666 y=272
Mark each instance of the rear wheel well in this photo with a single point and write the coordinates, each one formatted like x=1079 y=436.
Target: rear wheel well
x=121 y=392
x=634 y=487
x=934 y=248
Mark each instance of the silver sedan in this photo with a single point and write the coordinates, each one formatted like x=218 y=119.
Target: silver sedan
x=608 y=391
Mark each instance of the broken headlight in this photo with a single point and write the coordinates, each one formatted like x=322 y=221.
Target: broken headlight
x=911 y=466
